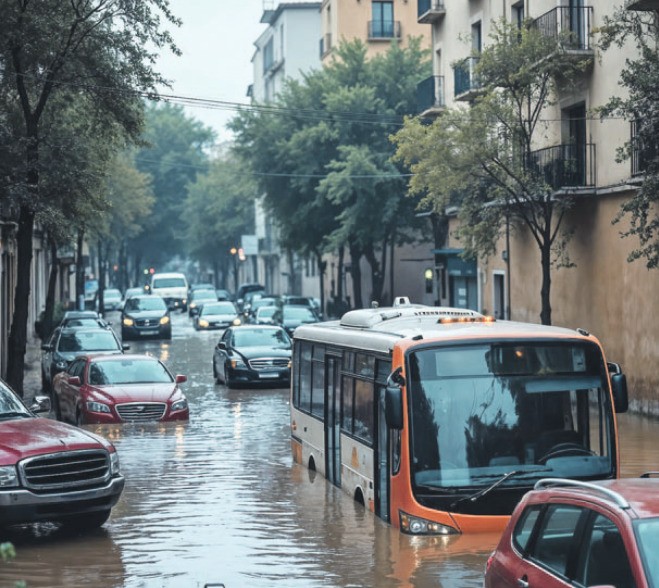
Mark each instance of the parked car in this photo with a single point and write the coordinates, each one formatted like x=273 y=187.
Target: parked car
x=572 y=533
x=198 y=297
x=223 y=294
x=67 y=343
x=83 y=480
x=83 y=318
x=253 y=354
x=145 y=316
x=111 y=299
x=91 y=288
x=106 y=389
x=216 y=315
x=293 y=316
x=265 y=315
x=245 y=289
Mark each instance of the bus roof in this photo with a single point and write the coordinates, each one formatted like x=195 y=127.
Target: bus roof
x=379 y=329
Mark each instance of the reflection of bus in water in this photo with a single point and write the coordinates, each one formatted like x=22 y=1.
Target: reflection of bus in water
x=440 y=419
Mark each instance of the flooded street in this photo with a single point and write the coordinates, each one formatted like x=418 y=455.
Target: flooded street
x=219 y=501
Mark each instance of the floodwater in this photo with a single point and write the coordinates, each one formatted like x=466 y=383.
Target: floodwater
x=218 y=501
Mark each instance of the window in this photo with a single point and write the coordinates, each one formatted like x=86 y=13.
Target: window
x=363 y=423
x=305 y=377
x=518 y=14
x=383 y=19
x=347 y=392
x=476 y=37
x=556 y=537
x=524 y=527
x=318 y=389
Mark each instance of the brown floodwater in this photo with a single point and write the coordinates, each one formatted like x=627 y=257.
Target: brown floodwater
x=219 y=501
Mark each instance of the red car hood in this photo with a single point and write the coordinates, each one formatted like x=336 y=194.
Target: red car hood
x=21 y=438
x=134 y=393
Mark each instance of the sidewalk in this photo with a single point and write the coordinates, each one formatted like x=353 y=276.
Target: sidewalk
x=32 y=374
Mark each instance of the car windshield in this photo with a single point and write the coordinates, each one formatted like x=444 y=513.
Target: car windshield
x=478 y=411
x=267 y=312
x=275 y=338
x=146 y=303
x=219 y=308
x=647 y=533
x=10 y=405
x=299 y=313
x=81 y=322
x=168 y=283
x=128 y=371
x=112 y=294
x=204 y=295
x=101 y=340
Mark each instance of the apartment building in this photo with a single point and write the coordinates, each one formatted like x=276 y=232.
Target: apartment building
x=286 y=49
x=375 y=22
x=603 y=292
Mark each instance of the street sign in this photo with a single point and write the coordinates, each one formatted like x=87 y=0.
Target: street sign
x=249 y=244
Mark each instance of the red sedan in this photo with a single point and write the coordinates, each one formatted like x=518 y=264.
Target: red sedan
x=99 y=389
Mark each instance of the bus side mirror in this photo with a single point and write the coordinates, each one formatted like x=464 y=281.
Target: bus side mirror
x=620 y=395
x=393 y=407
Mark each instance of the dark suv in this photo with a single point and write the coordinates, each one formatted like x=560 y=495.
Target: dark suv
x=573 y=533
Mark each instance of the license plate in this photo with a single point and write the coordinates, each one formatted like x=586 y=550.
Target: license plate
x=153 y=332
x=269 y=375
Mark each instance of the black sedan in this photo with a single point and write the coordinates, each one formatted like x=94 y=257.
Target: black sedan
x=294 y=315
x=216 y=315
x=253 y=354
x=199 y=297
x=66 y=344
x=145 y=316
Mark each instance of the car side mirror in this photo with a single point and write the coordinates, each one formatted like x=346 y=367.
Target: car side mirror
x=393 y=407
x=40 y=404
x=74 y=380
x=180 y=378
x=620 y=394
x=125 y=347
x=221 y=345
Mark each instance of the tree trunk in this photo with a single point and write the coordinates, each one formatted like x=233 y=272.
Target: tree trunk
x=322 y=266
x=101 y=278
x=339 y=276
x=80 y=268
x=545 y=254
x=356 y=275
x=392 y=284
x=49 y=312
x=376 y=274
x=17 y=343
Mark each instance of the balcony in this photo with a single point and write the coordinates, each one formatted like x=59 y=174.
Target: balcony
x=466 y=83
x=570 y=26
x=430 y=11
x=430 y=96
x=565 y=166
x=383 y=30
x=642 y=5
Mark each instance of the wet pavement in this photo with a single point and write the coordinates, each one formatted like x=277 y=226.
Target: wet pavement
x=219 y=501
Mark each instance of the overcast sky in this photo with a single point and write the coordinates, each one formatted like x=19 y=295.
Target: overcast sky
x=217 y=40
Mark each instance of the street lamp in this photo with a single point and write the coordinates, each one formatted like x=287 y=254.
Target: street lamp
x=234 y=254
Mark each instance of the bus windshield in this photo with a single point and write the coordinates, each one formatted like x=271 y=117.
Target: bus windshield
x=478 y=412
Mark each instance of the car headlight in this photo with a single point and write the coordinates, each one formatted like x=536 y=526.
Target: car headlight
x=193 y=305
x=8 y=477
x=180 y=405
x=97 y=407
x=128 y=322
x=236 y=322
x=237 y=363
x=164 y=320
x=203 y=323
x=418 y=526
x=61 y=364
x=114 y=464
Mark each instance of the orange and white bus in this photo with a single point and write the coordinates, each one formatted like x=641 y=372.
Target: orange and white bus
x=440 y=419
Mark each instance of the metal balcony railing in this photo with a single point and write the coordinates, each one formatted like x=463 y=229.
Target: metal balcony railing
x=430 y=93
x=464 y=76
x=565 y=166
x=430 y=10
x=384 y=29
x=570 y=25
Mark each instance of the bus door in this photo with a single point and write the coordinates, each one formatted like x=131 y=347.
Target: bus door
x=333 y=420
x=381 y=457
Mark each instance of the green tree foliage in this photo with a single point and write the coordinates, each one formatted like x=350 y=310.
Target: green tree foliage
x=640 y=77
x=174 y=153
x=218 y=210
x=100 y=52
x=322 y=156
x=481 y=158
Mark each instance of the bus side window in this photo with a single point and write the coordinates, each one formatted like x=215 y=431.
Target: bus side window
x=305 y=377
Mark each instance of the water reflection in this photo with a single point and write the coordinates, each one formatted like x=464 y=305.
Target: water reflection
x=219 y=499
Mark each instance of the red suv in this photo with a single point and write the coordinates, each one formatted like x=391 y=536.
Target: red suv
x=572 y=533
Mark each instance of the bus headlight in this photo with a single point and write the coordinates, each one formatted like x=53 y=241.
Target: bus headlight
x=418 y=526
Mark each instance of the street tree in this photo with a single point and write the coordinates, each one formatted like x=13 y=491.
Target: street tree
x=640 y=77
x=482 y=157
x=323 y=150
x=102 y=49
x=174 y=151
x=218 y=210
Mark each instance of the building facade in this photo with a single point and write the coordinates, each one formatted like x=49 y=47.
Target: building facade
x=602 y=292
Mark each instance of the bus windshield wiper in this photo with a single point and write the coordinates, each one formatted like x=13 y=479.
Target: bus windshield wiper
x=501 y=480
